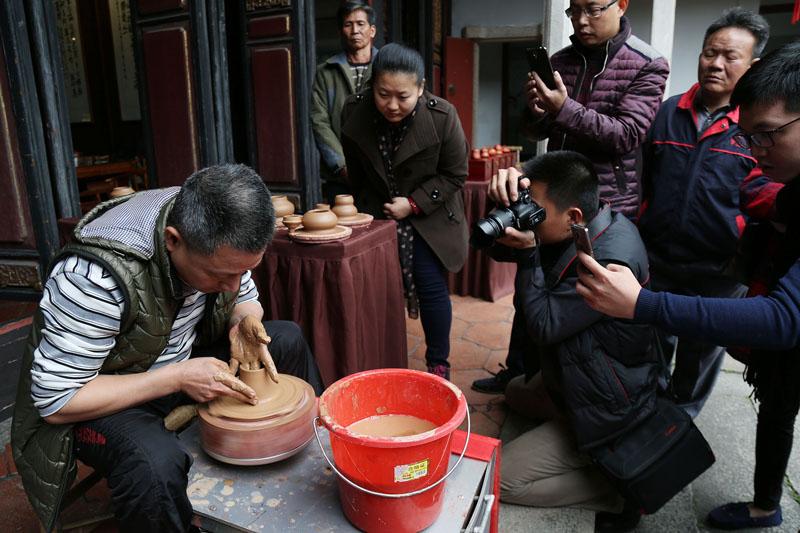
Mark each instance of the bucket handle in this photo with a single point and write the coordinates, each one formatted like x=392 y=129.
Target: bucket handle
x=384 y=494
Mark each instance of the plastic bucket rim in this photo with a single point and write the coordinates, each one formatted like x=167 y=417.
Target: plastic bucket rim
x=393 y=442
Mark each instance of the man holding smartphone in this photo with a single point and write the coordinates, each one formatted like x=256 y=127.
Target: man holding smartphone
x=609 y=84
x=597 y=377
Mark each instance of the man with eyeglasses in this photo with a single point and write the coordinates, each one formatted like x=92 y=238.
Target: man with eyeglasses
x=609 y=84
x=692 y=170
x=767 y=322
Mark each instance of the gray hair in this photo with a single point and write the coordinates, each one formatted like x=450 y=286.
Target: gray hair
x=736 y=17
x=224 y=205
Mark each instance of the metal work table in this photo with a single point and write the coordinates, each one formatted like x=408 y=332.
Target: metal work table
x=300 y=493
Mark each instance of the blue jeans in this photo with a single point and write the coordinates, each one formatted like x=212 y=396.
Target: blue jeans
x=435 y=309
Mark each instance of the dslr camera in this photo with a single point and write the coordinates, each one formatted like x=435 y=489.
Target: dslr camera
x=524 y=214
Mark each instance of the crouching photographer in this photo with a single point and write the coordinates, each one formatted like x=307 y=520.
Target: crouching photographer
x=589 y=377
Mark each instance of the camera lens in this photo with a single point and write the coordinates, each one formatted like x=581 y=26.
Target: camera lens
x=485 y=232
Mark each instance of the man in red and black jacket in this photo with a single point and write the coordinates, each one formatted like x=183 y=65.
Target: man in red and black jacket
x=692 y=212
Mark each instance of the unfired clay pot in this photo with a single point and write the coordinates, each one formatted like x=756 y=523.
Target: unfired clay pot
x=278 y=427
x=282 y=206
x=323 y=206
x=345 y=206
x=292 y=221
x=116 y=192
x=319 y=220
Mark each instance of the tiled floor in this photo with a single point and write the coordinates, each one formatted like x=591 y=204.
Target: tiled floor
x=478 y=342
x=479 y=338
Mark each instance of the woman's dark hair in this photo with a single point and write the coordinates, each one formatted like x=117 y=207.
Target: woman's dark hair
x=396 y=58
x=224 y=205
x=351 y=7
x=570 y=178
x=736 y=17
x=772 y=79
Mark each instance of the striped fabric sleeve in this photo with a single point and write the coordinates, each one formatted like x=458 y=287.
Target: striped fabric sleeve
x=82 y=309
x=247 y=289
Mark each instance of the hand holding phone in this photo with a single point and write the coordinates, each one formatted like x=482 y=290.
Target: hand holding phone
x=539 y=62
x=583 y=243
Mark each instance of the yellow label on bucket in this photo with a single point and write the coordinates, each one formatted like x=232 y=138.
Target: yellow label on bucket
x=410 y=472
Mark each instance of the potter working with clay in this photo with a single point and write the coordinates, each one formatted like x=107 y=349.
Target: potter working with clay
x=150 y=282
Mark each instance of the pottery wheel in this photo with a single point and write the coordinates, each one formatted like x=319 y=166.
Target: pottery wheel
x=339 y=233
x=356 y=221
x=280 y=399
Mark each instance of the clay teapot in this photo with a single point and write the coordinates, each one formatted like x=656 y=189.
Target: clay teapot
x=282 y=206
x=345 y=206
x=292 y=221
x=319 y=220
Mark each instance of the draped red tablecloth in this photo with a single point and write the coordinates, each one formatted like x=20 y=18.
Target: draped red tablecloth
x=482 y=276
x=347 y=297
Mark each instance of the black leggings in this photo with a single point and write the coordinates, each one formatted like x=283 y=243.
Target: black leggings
x=779 y=399
x=147 y=466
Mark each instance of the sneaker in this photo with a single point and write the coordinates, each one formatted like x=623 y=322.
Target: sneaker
x=627 y=520
x=495 y=384
x=737 y=516
x=443 y=371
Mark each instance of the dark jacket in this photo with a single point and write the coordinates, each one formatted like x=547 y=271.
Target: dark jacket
x=430 y=166
x=332 y=85
x=600 y=370
x=43 y=451
x=691 y=217
x=610 y=128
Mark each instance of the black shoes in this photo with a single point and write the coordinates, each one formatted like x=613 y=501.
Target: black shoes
x=627 y=520
x=495 y=384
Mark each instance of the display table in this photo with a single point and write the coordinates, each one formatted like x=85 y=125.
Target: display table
x=300 y=494
x=482 y=276
x=346 y=296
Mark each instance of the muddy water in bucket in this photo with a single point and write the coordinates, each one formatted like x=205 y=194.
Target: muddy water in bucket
x=388 y=468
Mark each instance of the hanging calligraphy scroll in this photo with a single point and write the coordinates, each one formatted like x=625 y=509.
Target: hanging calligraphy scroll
x=122 y=36
x=72 y=60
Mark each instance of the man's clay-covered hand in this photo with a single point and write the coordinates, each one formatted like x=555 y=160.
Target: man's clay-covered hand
x=249 y=347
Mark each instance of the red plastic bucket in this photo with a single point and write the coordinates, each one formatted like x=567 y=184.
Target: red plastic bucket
x=392 y=483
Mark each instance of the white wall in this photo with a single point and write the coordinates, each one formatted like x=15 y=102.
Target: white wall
x=692 y=17
x=495 y=13
x=488 y=116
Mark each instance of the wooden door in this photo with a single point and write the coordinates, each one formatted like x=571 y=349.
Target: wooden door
x=461 y=80
x=277 y=68
x=180 y=47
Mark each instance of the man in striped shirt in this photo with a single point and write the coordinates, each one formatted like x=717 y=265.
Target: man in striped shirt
x=148 y=278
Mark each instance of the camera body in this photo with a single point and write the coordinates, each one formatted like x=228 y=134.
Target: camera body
x=523 y=215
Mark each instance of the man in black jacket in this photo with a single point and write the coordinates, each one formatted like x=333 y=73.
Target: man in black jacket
x=590 y=377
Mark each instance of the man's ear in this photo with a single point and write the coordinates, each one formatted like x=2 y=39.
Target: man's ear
x=172 y=238
x=622 y=5
x=575 y=215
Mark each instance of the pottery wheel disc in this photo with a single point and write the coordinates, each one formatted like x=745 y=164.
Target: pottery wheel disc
x=281 y=399
x=356 y=221
x=339 y=233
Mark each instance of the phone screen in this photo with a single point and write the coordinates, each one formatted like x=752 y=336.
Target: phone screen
x=583 y=243
x=539 y=62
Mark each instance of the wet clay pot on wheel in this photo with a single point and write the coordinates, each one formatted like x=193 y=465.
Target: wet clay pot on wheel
x=282 y=206
x=277 y=427
x=319 y=220
x=345 y=206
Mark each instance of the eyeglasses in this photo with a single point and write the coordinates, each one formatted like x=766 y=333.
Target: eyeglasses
x=593 y=12
x=761 y=139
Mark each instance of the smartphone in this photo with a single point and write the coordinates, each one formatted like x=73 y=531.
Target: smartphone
x=539 y=62
x=580 y=235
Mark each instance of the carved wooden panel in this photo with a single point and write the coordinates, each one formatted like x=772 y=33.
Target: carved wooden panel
x=273 y=102
x=264 y=27
x=15 y=218
x=252 y=5
x=149 y=7
x=20 y=274
x=171 y=99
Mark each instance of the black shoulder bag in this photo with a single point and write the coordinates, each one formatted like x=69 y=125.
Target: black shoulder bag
x=655 y=460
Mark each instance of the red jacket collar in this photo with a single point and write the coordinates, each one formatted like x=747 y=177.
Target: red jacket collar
x=687 y=102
